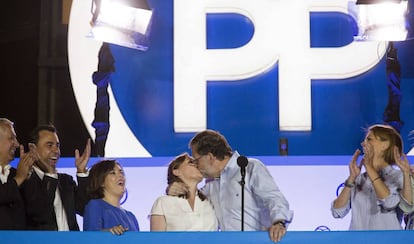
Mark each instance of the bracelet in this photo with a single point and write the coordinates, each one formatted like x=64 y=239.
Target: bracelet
x=281 y=223
x=350 y=185
x=379 y=177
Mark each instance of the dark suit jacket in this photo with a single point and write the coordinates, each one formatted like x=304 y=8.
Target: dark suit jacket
x=12 y=215
x=39 y=196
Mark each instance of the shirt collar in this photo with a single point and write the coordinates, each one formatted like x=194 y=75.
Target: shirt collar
x=39 y=172
x=3 y=177
x=231 y=164
x=387 y=170
x=5 y=167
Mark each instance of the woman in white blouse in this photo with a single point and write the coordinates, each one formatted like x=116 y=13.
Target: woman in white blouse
x=189 y=212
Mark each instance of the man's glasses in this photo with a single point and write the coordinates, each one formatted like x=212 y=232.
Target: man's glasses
x=195 y=160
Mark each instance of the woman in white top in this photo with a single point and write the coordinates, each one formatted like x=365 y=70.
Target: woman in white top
x=190 y=212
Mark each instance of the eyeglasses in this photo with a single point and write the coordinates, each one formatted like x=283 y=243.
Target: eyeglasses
x=195 y=160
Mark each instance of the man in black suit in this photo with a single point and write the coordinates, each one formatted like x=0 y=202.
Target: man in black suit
x=53 y=199
x=12 y=214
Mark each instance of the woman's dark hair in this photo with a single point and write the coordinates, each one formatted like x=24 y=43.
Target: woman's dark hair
x=388 y=133
x=171 y=177
x=210 y=141
x=97 y=175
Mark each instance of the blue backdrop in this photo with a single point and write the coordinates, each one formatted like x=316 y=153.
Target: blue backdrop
x=246 y=112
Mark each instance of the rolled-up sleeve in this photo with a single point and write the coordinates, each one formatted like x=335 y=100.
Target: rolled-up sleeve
x=340 y=212
x=404 y=205
x=267 y=190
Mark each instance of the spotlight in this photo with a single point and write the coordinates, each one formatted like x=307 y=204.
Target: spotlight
x=380 y=20
x=377 y=1
x=122 y=22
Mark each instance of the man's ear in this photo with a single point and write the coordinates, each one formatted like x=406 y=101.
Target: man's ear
x=210 y=156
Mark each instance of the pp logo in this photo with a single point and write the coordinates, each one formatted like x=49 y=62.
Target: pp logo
x=181 y=85
x=124 y=197
x=338 y=189
x=322 y=228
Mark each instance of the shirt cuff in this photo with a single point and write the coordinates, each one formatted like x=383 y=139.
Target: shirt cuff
x=83 y=174
x=52 y=175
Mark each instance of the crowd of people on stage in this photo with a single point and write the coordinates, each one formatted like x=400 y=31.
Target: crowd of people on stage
x=35 y=196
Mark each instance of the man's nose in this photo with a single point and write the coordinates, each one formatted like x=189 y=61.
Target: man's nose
x=56 y=149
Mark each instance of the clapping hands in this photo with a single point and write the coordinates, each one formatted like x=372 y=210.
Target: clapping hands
x=25 y=166
x=402 y=162
x=354 y=167
x=81 y=161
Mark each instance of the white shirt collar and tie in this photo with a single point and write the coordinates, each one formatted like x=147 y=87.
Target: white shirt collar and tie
x=61 y=219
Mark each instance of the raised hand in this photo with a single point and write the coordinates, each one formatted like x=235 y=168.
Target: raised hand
x=81 y=161
x=177 y=189
x=401 y=161
x=354 y=168
x=368 y=156
x=24 y=166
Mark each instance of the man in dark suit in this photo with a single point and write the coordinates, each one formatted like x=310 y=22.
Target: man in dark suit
x=53 y=199
x=12 y=214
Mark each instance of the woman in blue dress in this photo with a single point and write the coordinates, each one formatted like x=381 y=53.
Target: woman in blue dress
x=104 y=211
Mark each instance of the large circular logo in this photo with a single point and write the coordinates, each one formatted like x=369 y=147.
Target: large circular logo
x=247 y=111
x=83 y=62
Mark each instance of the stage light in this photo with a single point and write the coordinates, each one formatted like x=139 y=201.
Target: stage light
x=380 y=20
x=377 y=1
x=122 y=22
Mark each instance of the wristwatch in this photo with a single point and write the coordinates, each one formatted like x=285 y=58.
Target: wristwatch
x=281 y=223
x=350 y=185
